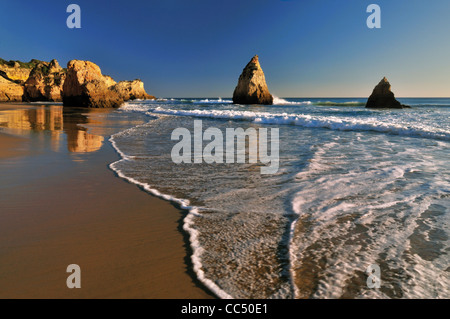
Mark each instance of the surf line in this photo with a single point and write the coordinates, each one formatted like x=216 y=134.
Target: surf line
x=235 y=146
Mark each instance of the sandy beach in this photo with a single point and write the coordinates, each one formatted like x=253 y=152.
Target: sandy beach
x=206 y=150
x=61 y=204
x=11 y=146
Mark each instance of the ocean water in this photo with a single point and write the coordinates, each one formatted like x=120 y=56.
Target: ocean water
x=355 y=187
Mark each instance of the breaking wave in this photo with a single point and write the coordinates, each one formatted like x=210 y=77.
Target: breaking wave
x=310 y=121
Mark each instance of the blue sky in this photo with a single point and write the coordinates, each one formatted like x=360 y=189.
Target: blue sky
x=198 y=48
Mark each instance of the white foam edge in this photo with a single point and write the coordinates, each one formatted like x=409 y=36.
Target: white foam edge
x=292 y=257
x=193 y=211
x=309 y=121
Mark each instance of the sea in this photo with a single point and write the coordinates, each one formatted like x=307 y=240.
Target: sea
x=359 y=206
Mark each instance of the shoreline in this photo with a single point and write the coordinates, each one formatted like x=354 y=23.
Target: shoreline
x=128 y=243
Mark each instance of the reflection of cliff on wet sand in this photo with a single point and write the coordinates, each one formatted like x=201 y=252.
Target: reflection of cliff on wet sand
x=82 y=142
x=48 y=118
x=55 y=119
x=78 y=139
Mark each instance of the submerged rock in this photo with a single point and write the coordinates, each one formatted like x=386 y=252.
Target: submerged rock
x=45 y=82
x=85 y=86
x=383 y=97
x=252 y=87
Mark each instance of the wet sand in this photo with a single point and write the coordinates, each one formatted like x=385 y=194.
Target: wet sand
x=57 y=211
x=11 y=146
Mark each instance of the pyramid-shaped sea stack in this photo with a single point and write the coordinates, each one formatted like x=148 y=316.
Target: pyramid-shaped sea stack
x=252 y=87
x=383 y=97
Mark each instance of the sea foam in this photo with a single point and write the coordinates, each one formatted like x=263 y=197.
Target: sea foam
x=306 y=120
x=188 y=222
x=358 y=198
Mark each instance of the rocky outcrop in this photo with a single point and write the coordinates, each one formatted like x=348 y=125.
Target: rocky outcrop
x=10 y=91
x=30 y=81
x=45 y=82
x=82 y=84
x=109 y=80
x=17 y=71
x=132 y=90
x=383 y=97
x=85 y=86
x=252 y=87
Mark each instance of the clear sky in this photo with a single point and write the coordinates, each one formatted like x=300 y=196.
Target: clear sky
x=198 y=48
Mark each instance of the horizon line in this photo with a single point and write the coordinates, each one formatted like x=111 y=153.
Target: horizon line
x=307 y=97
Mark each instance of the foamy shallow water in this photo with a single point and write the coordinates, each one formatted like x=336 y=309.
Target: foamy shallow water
x=355 y=187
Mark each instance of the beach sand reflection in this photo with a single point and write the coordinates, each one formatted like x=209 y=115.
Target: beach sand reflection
x=55 y=121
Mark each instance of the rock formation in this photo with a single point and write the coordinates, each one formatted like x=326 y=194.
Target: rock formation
x=132 y=90
x=85 y=86
x=109 y=81
x=17 y=71
x=82 y=84
x=252 y=87
x=383 y=97
x=45 y=82
x=10 y=91
x=30 y=81
x=12 y=76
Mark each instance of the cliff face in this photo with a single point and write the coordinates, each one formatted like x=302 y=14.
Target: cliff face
x=45 y=82
x=85 y=86
x=132 y=90
x=252 y=87
x=383 y=97
x=82 y=84
x=17 y=71
x=12 y=76
x=30 y=81
x=109 y=80
x=10 y=91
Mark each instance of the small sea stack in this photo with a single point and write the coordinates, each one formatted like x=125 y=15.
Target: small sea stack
x=383 y=98
x=252 y=87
